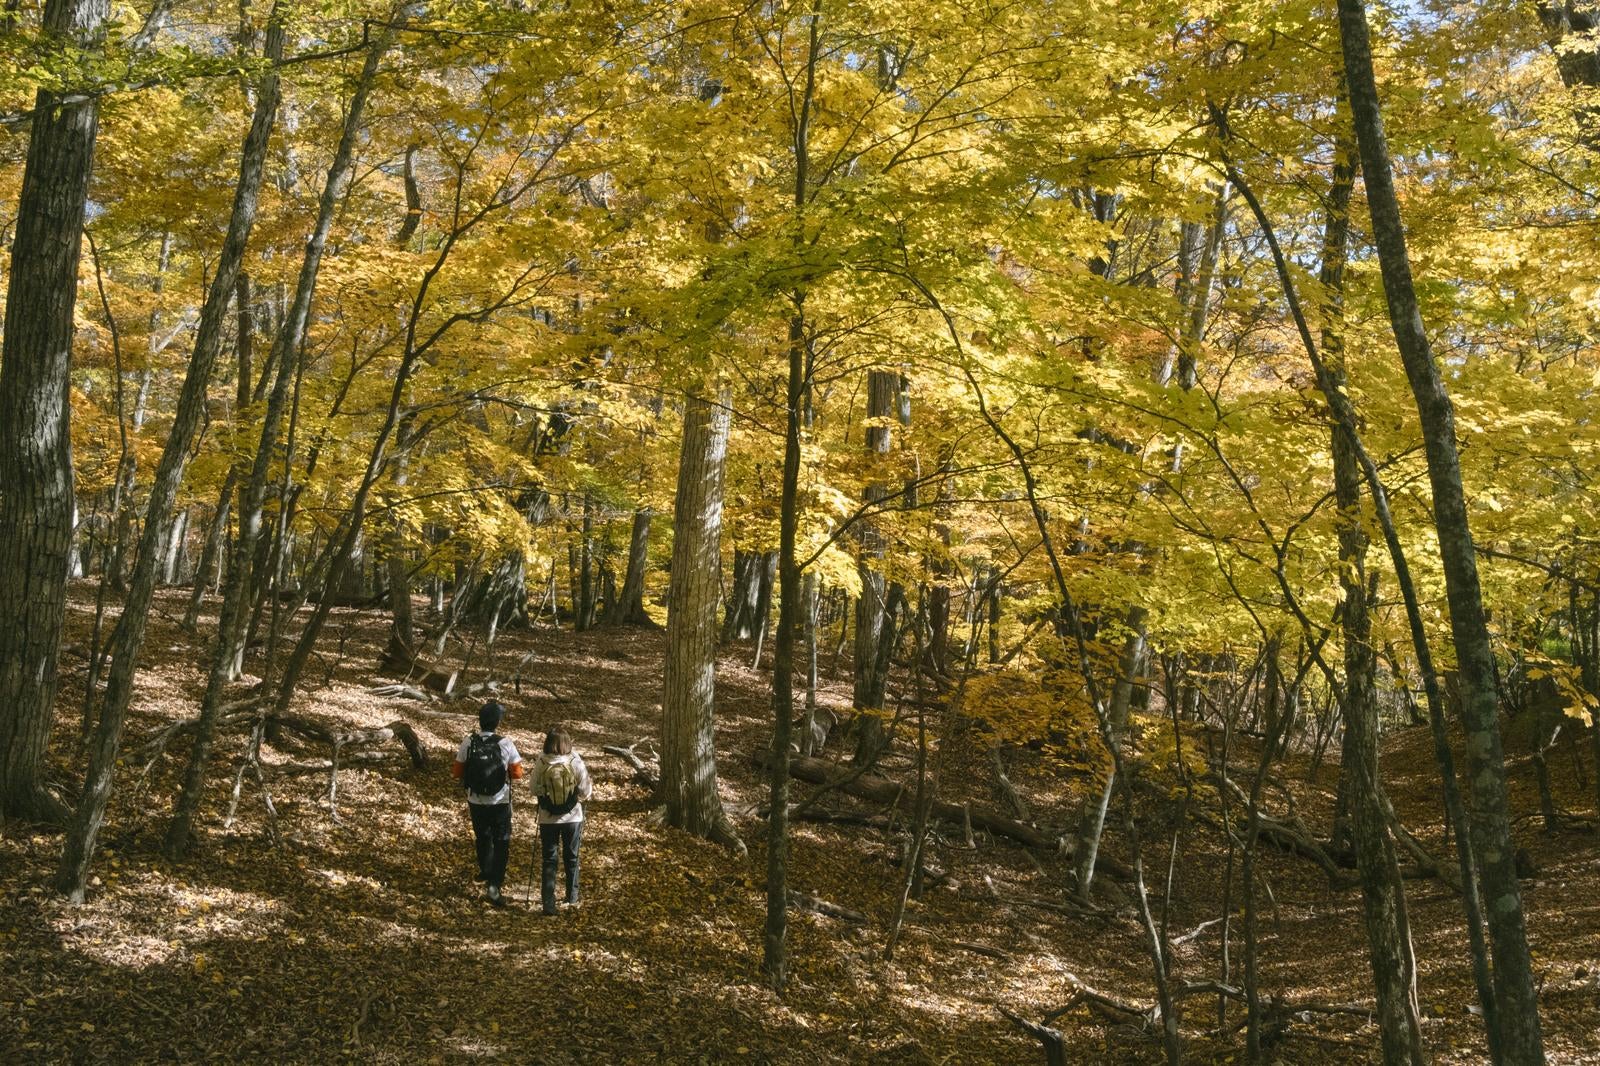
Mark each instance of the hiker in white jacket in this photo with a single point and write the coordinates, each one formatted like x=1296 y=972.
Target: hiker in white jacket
x=561 y=782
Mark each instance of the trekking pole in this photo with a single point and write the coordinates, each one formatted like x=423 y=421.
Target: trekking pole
x=533 y=851
x=533 y=861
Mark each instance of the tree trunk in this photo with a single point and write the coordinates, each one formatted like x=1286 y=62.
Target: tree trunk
x=688 y=715
x=285 y=356
x=35 y=442
x=1117 y=726
x=127 y=639
x=1383 y=895
x=205 y=574
x=810 y=593
x=629 y=608
x=128 y=468
x=739 y=615
x=775 y=952
x=873 y=625
x=1332 y=388
x=1193 y=291
x=396 y=559
x=172 y=555
x=1489 y=821
x=116 y=570
x=774 y=946
x=768 y=574
x=585 y=607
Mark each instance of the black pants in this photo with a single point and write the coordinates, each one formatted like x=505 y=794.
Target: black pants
x=565 y=838
x=491 y=829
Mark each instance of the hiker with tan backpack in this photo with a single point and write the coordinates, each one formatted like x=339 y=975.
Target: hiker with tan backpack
x=561 y=782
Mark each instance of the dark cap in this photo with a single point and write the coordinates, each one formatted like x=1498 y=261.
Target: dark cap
x=489 y=715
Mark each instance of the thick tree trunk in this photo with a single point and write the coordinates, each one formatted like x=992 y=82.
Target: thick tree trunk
x=688 y=711
x=1515 y=997
x=127 y=639
x=35 y=442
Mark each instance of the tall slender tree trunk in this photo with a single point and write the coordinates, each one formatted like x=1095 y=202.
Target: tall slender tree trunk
x=1088 y=846
x=1197 y=261
x=205 y=573
x=1383 y=896
x=35 y=441
x=774 y=954
x=285 y=356
x=1331 y=385
x=774 y=945
x=1488 y=818
x=127 y=639
x=811 y=594
x=396 y=559
x=127 y=470
x=688 y=700
x=1390 y=951
x=584 y=609
x=873 y=624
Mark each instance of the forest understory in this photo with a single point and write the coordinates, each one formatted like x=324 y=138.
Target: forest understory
x=352 y=929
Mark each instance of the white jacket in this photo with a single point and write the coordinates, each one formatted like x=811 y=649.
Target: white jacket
x=585 y=786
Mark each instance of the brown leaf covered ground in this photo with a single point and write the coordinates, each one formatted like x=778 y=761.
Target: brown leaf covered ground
x=363 y=938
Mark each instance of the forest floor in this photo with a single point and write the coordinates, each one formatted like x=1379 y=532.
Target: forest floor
x=360 y=935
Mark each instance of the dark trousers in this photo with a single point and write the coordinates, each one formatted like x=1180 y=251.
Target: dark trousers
x=491 y=829
x=562 y=837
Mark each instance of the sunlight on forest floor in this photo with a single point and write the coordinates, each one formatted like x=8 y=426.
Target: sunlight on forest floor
x=365 y=938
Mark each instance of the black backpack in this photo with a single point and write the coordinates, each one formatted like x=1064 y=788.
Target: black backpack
x=485 y=773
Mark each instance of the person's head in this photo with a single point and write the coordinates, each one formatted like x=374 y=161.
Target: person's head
x=557 y=742
x=489 y=716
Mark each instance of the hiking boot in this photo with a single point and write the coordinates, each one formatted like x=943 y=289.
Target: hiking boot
x=495 y=898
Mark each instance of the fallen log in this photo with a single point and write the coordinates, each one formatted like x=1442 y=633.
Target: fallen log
x=359 y=758
x=1055 y=1047
x=642 y=772
x=988 y=951
x=400 y=692
x=882 y=790
x=393 y=731
x=402 y=660
x=817 y=905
